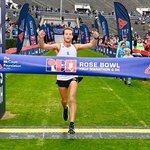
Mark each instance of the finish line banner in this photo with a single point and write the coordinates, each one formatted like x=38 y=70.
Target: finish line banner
x=109 y=67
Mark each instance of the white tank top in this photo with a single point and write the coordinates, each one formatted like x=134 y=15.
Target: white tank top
x=67 y=52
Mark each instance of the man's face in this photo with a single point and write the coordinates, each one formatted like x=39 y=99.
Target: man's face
x=139 y=40
x=68 y=36
x=124 y=38
x=123 y=45
x=127 y=52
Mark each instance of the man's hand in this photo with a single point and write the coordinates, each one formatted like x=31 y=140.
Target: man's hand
x=41 y=34
x=95 y=35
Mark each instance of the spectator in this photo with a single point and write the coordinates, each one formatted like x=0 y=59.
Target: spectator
x=62 y=19
x=127 y=55
x=69 y=23
x=147 y=46
x=125 y=41
x=121 y=50
x=75 y=34
x=138 y=44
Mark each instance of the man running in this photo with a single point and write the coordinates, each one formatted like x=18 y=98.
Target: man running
x=67 y=84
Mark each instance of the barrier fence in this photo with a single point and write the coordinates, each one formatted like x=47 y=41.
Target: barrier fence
x=28 y=50
x=102 y=48
x=111 y=51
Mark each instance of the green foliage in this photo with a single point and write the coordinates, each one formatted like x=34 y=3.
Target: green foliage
x=11 y=43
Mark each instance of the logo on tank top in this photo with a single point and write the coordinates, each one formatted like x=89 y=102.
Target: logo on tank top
x=59 y=65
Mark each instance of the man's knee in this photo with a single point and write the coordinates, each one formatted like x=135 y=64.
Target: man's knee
x=64 y=101
x=72 y=99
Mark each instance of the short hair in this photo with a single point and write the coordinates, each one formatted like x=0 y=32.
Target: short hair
x=67 y=28
x=127 y=49
x=123 y=43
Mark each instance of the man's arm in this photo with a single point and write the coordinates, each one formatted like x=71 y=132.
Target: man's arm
x=44 y=45
x=92 y=44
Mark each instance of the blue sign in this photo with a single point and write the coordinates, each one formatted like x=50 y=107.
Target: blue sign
x=109 y=67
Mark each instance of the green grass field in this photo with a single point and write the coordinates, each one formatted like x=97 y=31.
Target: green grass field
x=34 y=100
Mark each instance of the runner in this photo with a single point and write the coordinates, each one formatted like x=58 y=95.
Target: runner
x=67 y=84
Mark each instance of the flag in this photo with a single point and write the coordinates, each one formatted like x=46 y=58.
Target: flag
x=104 y=25
x=123 y=22
x=85 y=34
x=22 y=26
x=96 y=25
x=52 y=36
x=31 y=28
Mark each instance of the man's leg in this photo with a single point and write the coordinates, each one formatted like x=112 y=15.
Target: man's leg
x=64 y=97
x=129 y=81
x=72 y=97
x=64 y=100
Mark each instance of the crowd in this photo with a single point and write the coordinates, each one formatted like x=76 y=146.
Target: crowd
x=143 y=19
x=138 y=42
x=141 y=43
x=11 y=29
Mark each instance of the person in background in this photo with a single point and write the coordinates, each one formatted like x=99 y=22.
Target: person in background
x=138 y=44
x=147 y=45
x=127 y=55
x=76 y=32
x=125 y=41
x=121 y=50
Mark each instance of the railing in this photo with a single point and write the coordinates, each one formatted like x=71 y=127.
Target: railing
x=102 y=48
x=28 y=50
x=111 y=51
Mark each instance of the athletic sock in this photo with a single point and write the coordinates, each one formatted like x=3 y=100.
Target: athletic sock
x=71 y=123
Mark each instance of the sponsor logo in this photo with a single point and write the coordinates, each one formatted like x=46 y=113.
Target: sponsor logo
x=21 y=35
x=81 y=32
x=58 y=30
x=122 y=23
x=59 y=65
x=71 y=66
x=87 y=39
x=99 y=66
x=9 y=63
x=147 y=70
x=51 y=33
x=1 y=67
x=32 y=39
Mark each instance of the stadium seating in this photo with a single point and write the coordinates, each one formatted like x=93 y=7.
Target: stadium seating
x=106 y=6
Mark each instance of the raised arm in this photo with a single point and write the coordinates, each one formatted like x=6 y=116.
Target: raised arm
x=44 y=45
x=92 y=44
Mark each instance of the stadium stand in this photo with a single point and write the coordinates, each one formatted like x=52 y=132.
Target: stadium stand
x=51 y=8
